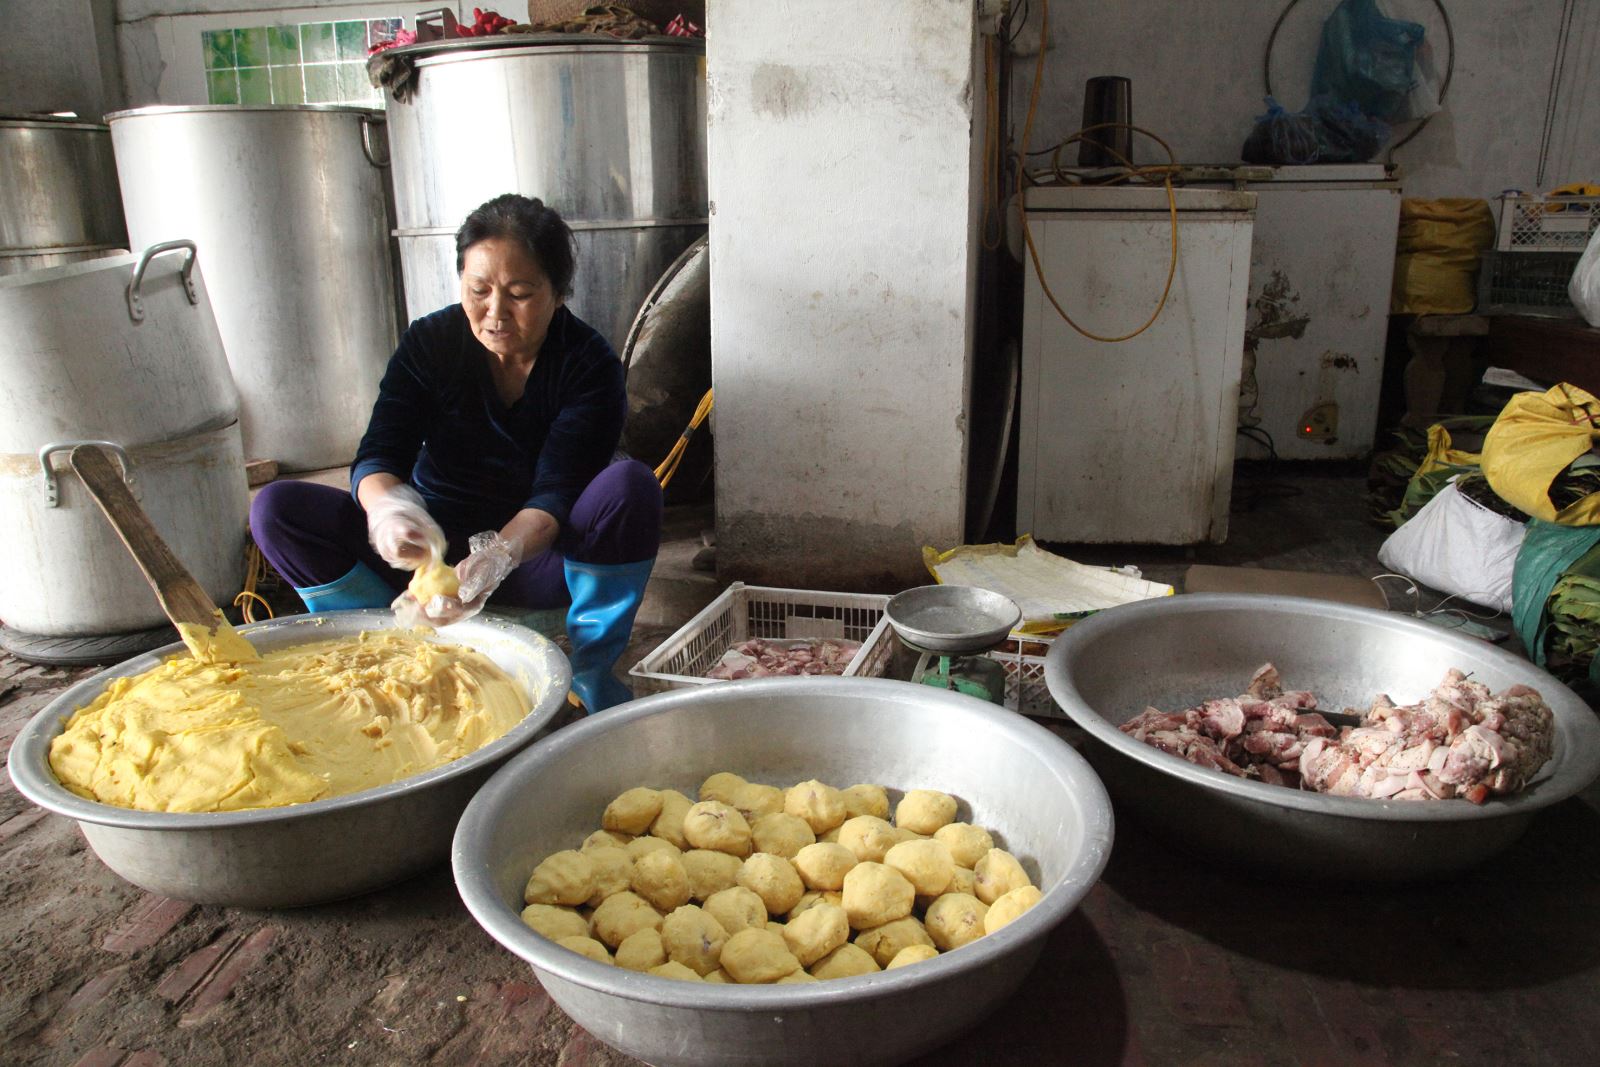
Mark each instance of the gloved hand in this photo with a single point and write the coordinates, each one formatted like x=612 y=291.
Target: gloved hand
x=488 y=563
x=402 y=531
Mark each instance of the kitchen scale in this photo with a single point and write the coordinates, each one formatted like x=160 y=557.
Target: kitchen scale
x=953 y=626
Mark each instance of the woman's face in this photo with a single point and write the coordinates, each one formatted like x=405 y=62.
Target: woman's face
x=507 y=297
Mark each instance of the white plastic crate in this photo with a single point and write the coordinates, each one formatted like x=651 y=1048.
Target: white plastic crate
x=1546 y=223
x=742 y=612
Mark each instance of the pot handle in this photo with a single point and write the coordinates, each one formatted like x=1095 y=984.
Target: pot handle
x=367 y=122
x=52 y=493
x=135 y=301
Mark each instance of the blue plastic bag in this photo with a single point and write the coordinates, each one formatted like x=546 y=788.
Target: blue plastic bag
x=1327 y=131
x=1369 y=60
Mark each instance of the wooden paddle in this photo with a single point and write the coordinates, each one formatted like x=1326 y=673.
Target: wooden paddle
x=181 y=597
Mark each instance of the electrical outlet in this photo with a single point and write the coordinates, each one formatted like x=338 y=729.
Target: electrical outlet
x=1320 y=423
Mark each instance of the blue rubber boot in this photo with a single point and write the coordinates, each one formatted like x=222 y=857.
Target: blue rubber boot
x=361 y=588
x=605 y=598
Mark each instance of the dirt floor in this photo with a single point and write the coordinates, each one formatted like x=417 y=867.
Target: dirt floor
x=1170 y=959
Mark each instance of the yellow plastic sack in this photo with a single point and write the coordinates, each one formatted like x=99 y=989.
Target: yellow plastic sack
x=1442 y=453
x=1536 y=437
x=1436 y=255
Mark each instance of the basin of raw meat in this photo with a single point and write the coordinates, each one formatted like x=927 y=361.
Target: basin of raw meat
x=759 y=658
x=1461 y=740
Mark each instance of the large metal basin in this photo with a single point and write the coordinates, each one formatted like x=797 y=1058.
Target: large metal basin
x=1011 y=775
x=303 y=853
x=58 y=193
x=1173 y=652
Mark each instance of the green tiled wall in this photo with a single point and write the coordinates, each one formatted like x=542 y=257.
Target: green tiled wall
x=312 y=63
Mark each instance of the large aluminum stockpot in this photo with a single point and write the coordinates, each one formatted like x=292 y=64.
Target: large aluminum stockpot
x=58 y=193
x=289 y=206
x=1013 y=776
x=1174 y=652
x=609 y=133
x=302 y=853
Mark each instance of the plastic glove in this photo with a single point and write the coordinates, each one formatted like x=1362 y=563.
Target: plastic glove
x=488 y=563
x=402 y=531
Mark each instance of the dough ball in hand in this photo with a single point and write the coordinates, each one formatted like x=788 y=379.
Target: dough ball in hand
x=889 y=940
x=875 y=894
x=922 y=811
x=846 y=961
x=565 y=877
x=710 y=872
x=823 y=865
x=955 y=919
x=659 y=878
x=821 y=806
x=693 y=938
x=554 y=923
x=926 y=864
x=780 y=834
x=587 y=946
x=816 y=932
x=774 y=880
x=869 y=837
x=737 y=909
x=721 y=786
x=757 y=956
x=632 y=812
x=911 y=954
x=668 y=825
x=622 y=915
x=641 y=950
x=998 y=873
x=714 y=825
x=967 y=843
x=1009 y=907
x=866 y=800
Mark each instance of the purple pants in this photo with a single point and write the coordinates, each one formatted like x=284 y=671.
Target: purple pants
x=315 y=534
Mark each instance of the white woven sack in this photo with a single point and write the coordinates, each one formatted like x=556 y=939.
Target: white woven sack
x=1584 y=288
x=1458 y=546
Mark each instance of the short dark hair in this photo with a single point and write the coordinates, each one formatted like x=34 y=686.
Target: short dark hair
x=530 y=222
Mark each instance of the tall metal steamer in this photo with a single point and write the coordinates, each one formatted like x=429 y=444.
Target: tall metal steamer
x=58 y=193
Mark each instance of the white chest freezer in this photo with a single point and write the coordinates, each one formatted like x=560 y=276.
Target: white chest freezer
x=1132 y=442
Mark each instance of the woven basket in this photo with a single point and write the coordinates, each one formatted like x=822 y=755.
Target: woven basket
x=661 y=12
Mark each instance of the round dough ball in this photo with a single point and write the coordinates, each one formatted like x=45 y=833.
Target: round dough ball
x=721 y=786
x=797 y=978
x=967 y=843
x=998 y=873
x=632 y=812
x=816 y=933
x=869 y=837
x=846 y=961
x=774 y=880
x=889 y=940
x=1009 y=907
x=923 y=811
x=668 y=825
x=831 y=837
x=639 y=846
x=866 y=800
x=641 y=950
x=875 y=894
x=718 y=977
x=780 y=834
x=812 y=898
x=955 y=919
x=553 y=922
x=757 y=956
x=587 y=946
x=926 y=864
x=565 y=877
x=753 y=800
x=693 y=938
x=821 y=806
x=604 y=839
x=710 y=872
x=613 y=873
x=823 y=865
x=659 y=878
x=963 y=881
x=911 y=954
x=622 y=915
x=737 y=909
x=677 y=971
x=717 y=826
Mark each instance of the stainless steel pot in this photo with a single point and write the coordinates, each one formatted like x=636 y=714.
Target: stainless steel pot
x=303 y=853
x=1173 y=652
x=68 y=574
x=609 y=133
x=58 y=193
x=289 y=208
x=1009 y=774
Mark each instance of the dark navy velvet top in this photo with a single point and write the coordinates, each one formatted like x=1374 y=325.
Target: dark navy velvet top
x=440 y=425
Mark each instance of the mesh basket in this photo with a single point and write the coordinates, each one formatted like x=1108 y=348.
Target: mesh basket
x=1526 y=283
x=1022 y=655
x=745 y=611
x=1547 y=223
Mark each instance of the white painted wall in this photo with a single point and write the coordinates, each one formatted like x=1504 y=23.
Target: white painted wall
x=1197 y=71
x=58 y=55
x=842 y=176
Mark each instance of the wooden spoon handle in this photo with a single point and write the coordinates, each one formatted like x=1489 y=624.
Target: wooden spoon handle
x=181 y=596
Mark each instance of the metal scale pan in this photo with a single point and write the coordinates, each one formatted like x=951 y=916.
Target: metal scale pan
x=955 y=624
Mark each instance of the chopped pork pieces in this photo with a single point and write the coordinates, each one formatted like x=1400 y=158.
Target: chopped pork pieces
x=1460 y=741
x=756 y=658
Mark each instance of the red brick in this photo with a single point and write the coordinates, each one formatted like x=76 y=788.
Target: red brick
x=87 y=996
x=580 y=1048
x=1197 y=983
x=101 y=1057
x=147 y=1057
x=146 y=923
x=519 y=1007
x=219 y=983
x=183 y=978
